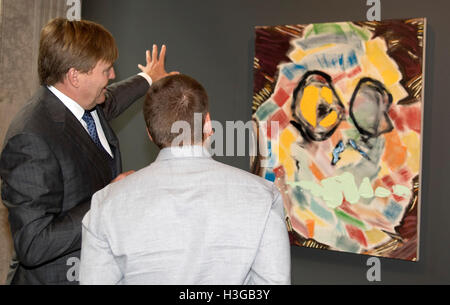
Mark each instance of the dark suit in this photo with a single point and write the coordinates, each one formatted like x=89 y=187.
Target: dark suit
x=50 y=169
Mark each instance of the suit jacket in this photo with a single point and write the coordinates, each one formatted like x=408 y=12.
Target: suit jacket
x=50 y=168
x=186 y=219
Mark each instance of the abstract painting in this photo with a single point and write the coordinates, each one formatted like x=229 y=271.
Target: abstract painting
x=345 y=150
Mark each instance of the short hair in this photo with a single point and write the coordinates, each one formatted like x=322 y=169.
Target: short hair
x=171 y=99
x=79 y=44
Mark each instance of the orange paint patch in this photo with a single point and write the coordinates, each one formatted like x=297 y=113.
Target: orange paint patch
x=316 y=171
x=345 y=125
x=395 y=152
x=336 y=137
x=310 y=227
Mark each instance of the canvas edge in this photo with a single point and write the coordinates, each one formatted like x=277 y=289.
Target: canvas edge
x=419 y=208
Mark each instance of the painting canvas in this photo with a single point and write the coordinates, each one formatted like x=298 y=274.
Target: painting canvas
x=338 y=108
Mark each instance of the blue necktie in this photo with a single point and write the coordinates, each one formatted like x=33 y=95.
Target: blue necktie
x=87 y=117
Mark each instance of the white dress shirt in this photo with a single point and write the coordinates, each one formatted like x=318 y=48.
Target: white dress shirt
x=78 y=112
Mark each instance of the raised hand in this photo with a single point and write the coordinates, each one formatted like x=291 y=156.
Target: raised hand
x=155 y=66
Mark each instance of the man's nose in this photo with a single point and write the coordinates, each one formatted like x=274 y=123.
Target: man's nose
x=112 y=74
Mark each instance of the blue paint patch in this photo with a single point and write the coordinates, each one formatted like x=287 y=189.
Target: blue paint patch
x=299 y=196
x=287 y=73
x=337 y=151
x=392 y=211
x=271 y=157
x=353 y=144
x=341 y=61
x=299 y=67
x=352 y=59
x=321 y=212
x=340 y=228
x=346 y=244
x=290 y=70
x=270 y=176
x=337 y=60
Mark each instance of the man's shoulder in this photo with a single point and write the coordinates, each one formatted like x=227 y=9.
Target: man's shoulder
x=33 y=117
x=229 y=174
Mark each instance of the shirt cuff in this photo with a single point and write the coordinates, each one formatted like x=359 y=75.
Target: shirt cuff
x=147 y=77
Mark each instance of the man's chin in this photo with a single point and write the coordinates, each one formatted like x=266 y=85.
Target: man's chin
x=100 y=99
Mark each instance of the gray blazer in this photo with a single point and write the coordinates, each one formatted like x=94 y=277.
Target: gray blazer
x=186 y=219
x=50 y=168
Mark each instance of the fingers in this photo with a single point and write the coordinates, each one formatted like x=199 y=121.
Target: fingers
x=148 y=58
x=162 y=55
x=155 y=53
x=141 y=67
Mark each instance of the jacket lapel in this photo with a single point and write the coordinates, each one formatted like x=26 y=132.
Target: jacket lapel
x=111 y=138
x=77 y=134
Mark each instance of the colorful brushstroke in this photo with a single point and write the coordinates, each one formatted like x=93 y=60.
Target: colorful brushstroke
x=348 y=97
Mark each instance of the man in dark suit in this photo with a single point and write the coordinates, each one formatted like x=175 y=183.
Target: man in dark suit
x=60 y=149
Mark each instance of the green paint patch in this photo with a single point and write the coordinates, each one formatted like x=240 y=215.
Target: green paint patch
x=401 y=190
x=332 y=28
x=382 y=192
x=365 y=189
x=265 y=110
x=363 y=33
x=345 y=217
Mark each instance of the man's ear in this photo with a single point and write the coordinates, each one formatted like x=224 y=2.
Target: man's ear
x=207 y=127
x=149 y=135
x=72 y=76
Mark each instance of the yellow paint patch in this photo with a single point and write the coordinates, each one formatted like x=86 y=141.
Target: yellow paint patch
x=286 y=140
x=375 y=236
x=306 y=215
x=308 y=104
x=412 y=142
x=297 y=55
x=384 y=171
x=348 y=156
x=329 y=120
x=327 y=94
x=398 y=92
x=376 y=52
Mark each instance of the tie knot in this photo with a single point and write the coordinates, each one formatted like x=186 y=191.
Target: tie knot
x=87 y=117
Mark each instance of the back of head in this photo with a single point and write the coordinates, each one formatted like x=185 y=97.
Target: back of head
x=170 y=108
x=79 y=44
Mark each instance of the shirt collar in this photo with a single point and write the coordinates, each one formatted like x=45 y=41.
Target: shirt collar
x=73 y=106
x=174 y=152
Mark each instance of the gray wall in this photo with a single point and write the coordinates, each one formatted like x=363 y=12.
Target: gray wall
x=213 y=42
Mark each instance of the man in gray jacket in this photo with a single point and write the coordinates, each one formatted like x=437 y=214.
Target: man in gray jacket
x=185 y=219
